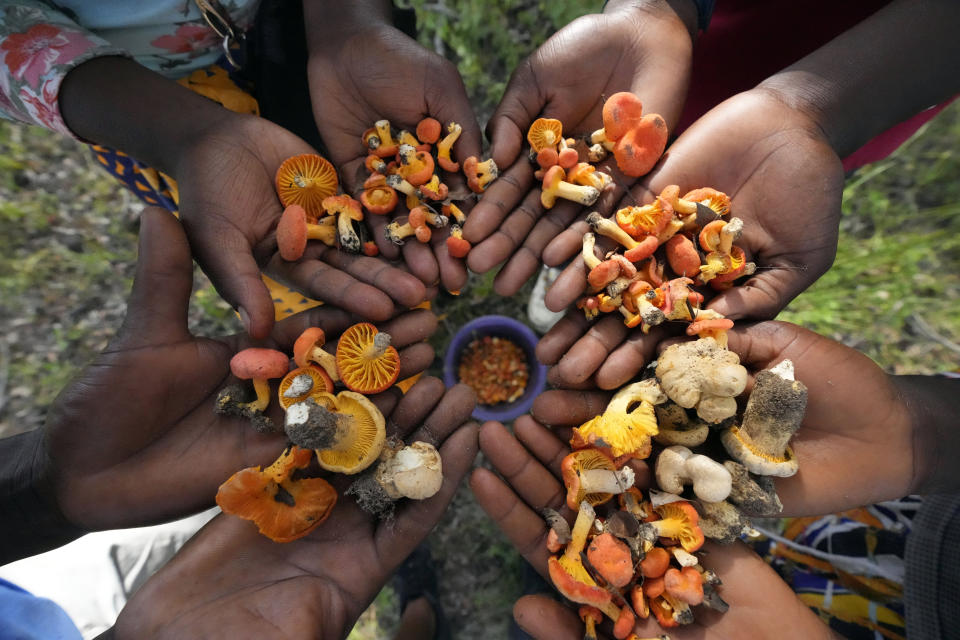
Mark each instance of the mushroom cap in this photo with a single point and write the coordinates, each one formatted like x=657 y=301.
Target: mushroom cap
x=640 y=147
x=685 y=585
x=342 y=204
x=417 y=168
x=369 y=433
x=690 y=536
x=649 y=219
x=755 y=459
x=415 y=472
x=621 y=112
x=572 y=580
x=457 y=246
x=306 y=180
x=662 y=610
x=320 y=382
x=379 y=199
x=682 y=256
x=710 y=235
x=718 y=201
x=365 y=359
x=417 y=217
x=292 y=233
x=554 y=176
x=655 y=563
x=312 y=337
x=544 y=132
x=257 y=363
x=429 y=130
x=573 y=463
x=547 y=157
x=283 y=509
x=611 y=558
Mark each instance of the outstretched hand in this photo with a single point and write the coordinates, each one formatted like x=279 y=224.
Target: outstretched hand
x=231 y=581
x=856 y=445
x=640 y=47
x=134 y=439
x=364 y=71
x=785 y=183
x=761 y=604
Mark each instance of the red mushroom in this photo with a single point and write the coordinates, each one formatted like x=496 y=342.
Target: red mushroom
x=293 y=231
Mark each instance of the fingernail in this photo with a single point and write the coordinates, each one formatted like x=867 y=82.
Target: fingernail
x=245 y=318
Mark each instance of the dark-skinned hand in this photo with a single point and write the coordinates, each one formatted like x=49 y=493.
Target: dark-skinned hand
x=857 y=444
x=761 y=604
x=362 y=70
x=134 y=439
x=785 y=182
x=230 y=210
x=230 y=581
x=640 y=47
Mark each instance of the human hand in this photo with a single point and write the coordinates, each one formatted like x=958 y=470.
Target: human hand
x=641 y=47
x=229 y=580
x=785 y=182
x=134 y=439
x=361 y=70
x=854 y=448
x=229 y=208
x=761 y=604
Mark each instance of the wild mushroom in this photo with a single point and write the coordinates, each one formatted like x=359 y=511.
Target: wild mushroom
x=646 y=220
x=716 y=201
x=259 y=366
x=774 y=413
x=640 y=147
x=584 y=173
x=635 y=250
x=546 y=158
x=479 y=174
x=676 y=427
x=366 y=361
x=621 y=111
x=444 y=146
x=378 y=197
x=721 y=521
x=756 y=495
x=637 y=299
x=414 y=471
x=678 y=466
x=678 y=520
x=308 y=348
x=707 y=326
x=451 y=210
x=591 y=617
x=554 y=186
x=354 y=427
x=375 y=164
x=613 y=268
x=306 y=180
x=655 y=563
x=590 y=476
x=626 y=425
x=704 y=375
x=301 y=383
x=387 y=145
x=729 y=268
x=346 y=210
x=283 y=508
x=457 y=246
x=611 y=559
x=293 y=231
x=416 y=167
x=684 y=585
x=682 y=256
x=544 y=133
x=416 y=225
x=433 y=189
x=429 y=130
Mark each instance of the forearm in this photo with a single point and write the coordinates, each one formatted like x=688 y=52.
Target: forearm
x=30 y=521
x=118 y=103
x=934 y=406
x=892 y=65
x=327 y=21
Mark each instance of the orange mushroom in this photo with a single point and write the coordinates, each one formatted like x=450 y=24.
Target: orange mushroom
x=479 y=174
x=378 y=198
x=346 y=210
x=682 y=256
x=678 y=520
x=717 y=201
x=293 y=231
x=584 y=173
x=650 y=219
x=260 y=366
x=386 y=145
x=306 y=180
x=567 y=156
x=590 y=475
x=621 y=112
x=611 y=559
x=366 y=360
x=354 y=428
x=303 y=383
x=416 y=167
x=457 y=245
x=640 y=147
x=555 y=186
x=416 y=225
x=444 y=147
x=685 y=585
x=591 y=617
x=309 y=348
x=636 y=250
x=375 y=164
x=655 y=563
x=429 y=130
x=283 y=508
x=433 y=189
x=544 y=132
x=453 y=211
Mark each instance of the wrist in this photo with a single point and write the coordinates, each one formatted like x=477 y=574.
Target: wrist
x=932 y=404
x=30 y=519
x=118 y=103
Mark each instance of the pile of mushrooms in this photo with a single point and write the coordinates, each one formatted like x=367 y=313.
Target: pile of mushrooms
x=409 y=163
x=343 y=431
x=712 y=468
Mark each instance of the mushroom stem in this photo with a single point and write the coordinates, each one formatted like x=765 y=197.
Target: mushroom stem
x=730 y=232
x=636 y=251
x=581 y=527
x=349 y=240
x=589 y=257
x=325 y=360
x=380 y=343
x=262 y=388
x=444 y=146
x=775 y=409
x=606 y=481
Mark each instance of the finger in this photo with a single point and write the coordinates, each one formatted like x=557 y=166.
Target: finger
x=764 y=295
x=544 y=618
x=330 y=319
x=415 y=359
x=388 y=400
x=555 y=380
x=447 y=101
x=377 y=272
x=525 y=261
x=322 y=281
x=542 y=443
x=420 y=260
x=453 y=410
x=531 y=481
x=506 y=235
x=522 y=102
x=410 y=327
x=569 y=408
x=498 y=200
x=561 y=336
x=589 y=352
x=416 y=518
x=525 y=529
x=763 y=344
x=627 y=360
x=565 y=245
x=453 y=271
x=417 y=403
x=377 y=225
x=157 y=311
x=568 y=287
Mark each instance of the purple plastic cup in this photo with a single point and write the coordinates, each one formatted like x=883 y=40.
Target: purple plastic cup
x=500 y=327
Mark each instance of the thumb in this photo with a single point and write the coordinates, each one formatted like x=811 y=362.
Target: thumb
x=164 y=278
x=519 y=107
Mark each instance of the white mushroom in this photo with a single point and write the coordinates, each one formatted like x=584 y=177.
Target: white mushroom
x=677 y=466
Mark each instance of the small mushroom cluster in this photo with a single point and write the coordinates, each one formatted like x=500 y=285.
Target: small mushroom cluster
x=345 y=431
x=403 y=161
x=711 y=468
x=307 y=187
x=648 y=290
x=564 y=164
